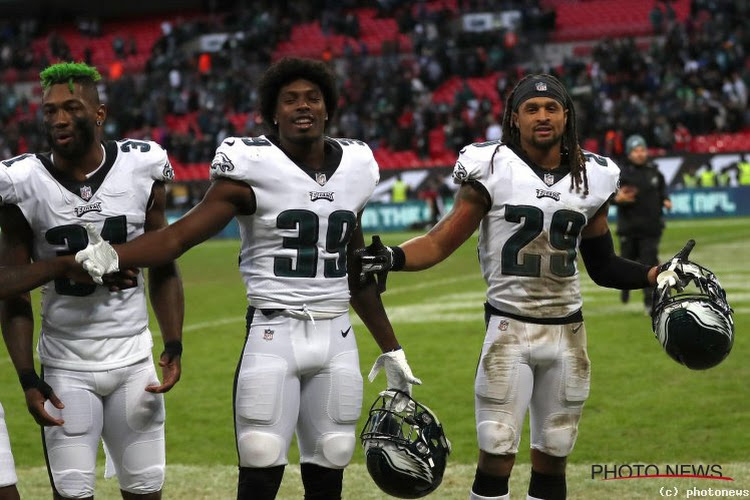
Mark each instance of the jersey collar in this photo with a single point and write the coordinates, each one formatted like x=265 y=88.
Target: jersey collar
x=332 y=154
x=544 y=174
x=83 y=189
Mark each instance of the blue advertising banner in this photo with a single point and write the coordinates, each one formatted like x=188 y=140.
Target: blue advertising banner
x=705 y=202
x=686 y=203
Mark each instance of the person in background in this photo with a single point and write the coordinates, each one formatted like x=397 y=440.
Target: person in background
x=399 y=190
x=640 y=201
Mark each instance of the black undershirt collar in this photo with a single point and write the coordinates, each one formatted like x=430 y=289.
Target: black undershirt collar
x=80 y=188
x=332 y=153
x=558 y=173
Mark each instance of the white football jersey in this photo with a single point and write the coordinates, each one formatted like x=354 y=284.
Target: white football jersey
x=87 y=327
x=528 y=241
x=294 y=246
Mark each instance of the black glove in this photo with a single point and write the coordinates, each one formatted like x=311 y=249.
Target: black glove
x=375 y=259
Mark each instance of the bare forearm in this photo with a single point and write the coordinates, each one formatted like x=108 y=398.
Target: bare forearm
x=367 y=304
x=167 y=300
x=449 y=234
x=422 y=252
x=152 y=249
x=15 y=280
x=17 y=323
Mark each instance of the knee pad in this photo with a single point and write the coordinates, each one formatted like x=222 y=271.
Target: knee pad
x=335 y=450
x=74 y=483
x=499 y=436
x=142 y=468
x=259 y=389
x=71 y=463
x=260 y=449
x=559 y=433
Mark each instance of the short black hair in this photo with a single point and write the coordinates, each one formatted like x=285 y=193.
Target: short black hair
x=70 y=73
x=287 y=70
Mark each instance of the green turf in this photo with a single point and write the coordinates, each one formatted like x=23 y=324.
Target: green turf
x=643 y=408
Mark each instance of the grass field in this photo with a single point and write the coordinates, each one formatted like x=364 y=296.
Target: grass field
x=643 y=409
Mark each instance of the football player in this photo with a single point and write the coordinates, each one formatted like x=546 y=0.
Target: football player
x=98 y=381
x=298 y=196
x=8 y=478
x=537 y=199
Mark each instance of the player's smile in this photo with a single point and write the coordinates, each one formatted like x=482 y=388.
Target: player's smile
x=304 y=122
x=300 y=110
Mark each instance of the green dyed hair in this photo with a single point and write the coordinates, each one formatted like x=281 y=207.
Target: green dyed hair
x=68 y=72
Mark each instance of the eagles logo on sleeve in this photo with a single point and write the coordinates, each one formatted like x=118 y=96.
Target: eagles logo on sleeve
x=459 y=173
x=168 y=171
x=222 y=162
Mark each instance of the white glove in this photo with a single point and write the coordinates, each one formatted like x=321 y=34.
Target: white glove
x=397 y=371
x=98 y=258
x=668 y=277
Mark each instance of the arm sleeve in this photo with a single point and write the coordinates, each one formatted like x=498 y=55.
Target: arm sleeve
x=609 y=270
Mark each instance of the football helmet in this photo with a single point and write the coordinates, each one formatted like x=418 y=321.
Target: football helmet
x=691 y=317
x=405 y=447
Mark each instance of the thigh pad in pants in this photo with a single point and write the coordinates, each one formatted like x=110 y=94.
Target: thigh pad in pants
x=502 y=387
x=260 y=425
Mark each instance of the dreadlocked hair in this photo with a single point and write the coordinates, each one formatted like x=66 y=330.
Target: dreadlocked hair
x=570 y=149
x=69 y=72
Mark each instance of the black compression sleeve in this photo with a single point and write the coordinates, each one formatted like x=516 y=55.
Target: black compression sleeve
x=607 y=269
x=399 y=259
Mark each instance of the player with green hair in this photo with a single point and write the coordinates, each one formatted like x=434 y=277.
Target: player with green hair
x=68 y=72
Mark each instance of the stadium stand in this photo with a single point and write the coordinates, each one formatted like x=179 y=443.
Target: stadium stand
x=417 y=84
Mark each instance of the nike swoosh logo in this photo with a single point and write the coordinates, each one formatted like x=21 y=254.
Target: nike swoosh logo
x=344 y=333
x=575 y=329
x=230 y=143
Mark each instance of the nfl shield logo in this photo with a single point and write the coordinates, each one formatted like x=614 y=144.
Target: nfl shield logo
x=320 y=178
x=86 y=192
x=549 y=179
x=541 y=86
x=268 y=334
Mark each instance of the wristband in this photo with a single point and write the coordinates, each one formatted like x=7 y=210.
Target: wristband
x=173 y=348
x=29 y=379
x=397 y=348
x=399 y=258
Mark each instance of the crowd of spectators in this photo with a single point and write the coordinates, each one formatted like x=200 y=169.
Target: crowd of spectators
x=690 y=81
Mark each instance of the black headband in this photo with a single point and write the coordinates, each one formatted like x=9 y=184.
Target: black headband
x=539 y=86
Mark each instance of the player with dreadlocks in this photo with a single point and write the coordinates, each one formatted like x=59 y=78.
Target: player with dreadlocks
x=98 y=380
x=536 y=199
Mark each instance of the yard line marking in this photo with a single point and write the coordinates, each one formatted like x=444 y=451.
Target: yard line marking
x=434 y=283
x=217 y=322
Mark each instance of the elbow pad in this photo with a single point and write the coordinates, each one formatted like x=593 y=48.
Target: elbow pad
x=607 y=269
